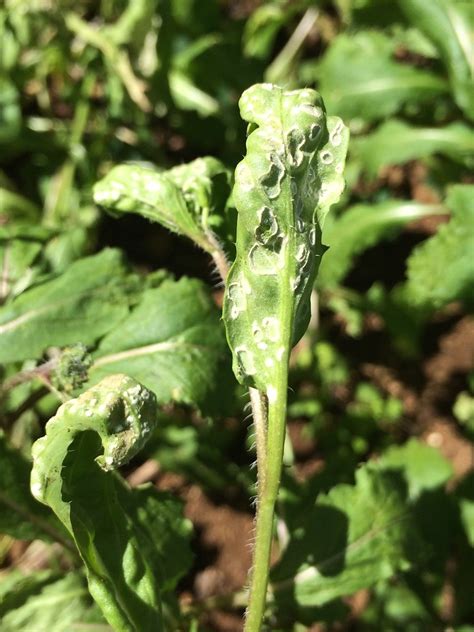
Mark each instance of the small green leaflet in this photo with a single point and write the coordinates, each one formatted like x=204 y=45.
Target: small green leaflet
x=81 y=305
x=291 y=175
x=441 y=269
x=183 y=199
x=359 y=78
x=172 y=342
x=349 y=539
x=133 y=542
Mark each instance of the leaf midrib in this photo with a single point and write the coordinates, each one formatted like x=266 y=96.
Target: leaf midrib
x=147 y=350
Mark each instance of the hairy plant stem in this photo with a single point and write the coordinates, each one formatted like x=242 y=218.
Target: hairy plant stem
x=268 y=485
x=218 y=255
x=259 y=405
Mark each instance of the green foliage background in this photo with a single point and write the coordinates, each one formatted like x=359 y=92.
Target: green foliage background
x=87 y=86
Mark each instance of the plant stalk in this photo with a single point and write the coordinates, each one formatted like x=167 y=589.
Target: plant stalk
x=280 y=67
x=268 y=485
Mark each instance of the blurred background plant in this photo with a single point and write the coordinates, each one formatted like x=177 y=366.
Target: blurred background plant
x=383 y=374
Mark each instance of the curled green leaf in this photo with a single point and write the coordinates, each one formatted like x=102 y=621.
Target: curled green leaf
x=183 y=199
x=114 y=528
x=119 y=409
x=284 y=186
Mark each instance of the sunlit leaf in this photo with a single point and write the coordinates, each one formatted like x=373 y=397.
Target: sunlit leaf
x=396 y=142
x=422 y=466
x=349 y=539
x=449 y=26
x=359 y=78
x=81 y=305
x=172 y=342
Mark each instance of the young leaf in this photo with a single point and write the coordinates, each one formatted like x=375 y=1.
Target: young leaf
x=130 y=541
x=81 y=305
x=172 y=342
x=359 y=78
x=21 y=516
x=350 y=539
x=361 y=227
x=283 y=190
x=396 y=142
x=183 y=199
x=449 y=27
x=440 y=270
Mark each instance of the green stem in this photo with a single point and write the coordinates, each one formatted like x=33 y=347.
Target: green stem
x=267 y=496
x=280 y=67
x=258 y=402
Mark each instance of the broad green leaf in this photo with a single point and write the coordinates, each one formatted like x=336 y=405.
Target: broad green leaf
x=21 y=516
x=45 y=602
x=396 y=142
x=133 y=543
x=184 y=199
x=81 y=305
x=450 y=27
x=172 y=342
x=349 y=539
x=361 y=227
x=441 y=269
x=359 y=78
x=283 y=190
x=422 y=466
